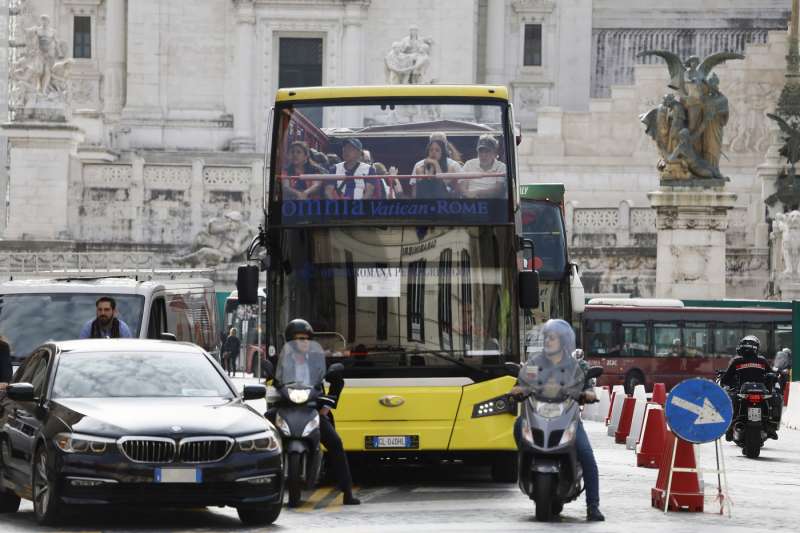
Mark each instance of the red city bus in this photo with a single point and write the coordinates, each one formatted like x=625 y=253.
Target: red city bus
x=646 y=341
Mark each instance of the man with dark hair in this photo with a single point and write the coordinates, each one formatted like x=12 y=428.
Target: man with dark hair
x=106 y=325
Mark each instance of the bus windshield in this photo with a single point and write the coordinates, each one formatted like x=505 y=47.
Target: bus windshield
x=439 y=163
x=28 y=320
x=420 y=300
x=542 y=223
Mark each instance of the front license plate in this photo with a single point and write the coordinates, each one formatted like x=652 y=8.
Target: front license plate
x=178 y=475
x=754 y=414
x=391 y=442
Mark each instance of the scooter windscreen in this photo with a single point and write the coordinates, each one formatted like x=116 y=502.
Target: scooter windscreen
x=552 y=382
x=301 y=364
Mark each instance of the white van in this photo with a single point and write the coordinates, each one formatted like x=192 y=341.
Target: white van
x=33 y=311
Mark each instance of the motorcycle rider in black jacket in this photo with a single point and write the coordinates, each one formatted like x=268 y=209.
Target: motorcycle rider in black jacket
x=748 y=366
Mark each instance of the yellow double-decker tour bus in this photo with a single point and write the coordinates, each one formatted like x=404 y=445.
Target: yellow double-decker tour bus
x=394 y=226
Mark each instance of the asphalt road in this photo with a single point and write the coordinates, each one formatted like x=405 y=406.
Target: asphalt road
x=765 y=493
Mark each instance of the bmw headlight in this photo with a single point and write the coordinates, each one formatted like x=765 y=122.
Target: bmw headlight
x=266 y=441
x=299 y=395
x=549 y=409
x=311 y=426
x=569 y=434
x=77 y=443
x=281 y=424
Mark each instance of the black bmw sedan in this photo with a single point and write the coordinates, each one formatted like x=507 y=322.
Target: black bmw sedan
x=134 y=422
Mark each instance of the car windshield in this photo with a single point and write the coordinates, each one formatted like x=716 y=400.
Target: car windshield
x=433 y=161
x=542 y=223
x=301 y=363
x=552 y=382
x=29 y=320
x=136 y=375
x=400 y=300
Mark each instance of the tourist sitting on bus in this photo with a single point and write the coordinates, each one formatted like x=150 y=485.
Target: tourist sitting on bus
x=677 y=348
x=106 y=324
x=321 y=161
x=486 y=162
x=300 y=164
x=437 y=161
x=357 y=188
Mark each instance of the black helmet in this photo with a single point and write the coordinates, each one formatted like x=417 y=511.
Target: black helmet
x=749 y=346
x=297 y=326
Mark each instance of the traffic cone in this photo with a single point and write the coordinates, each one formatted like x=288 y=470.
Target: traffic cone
x=625 y=419
x=636 y=424
x=604 y=404
x=684 y=491
x=616 y=413
x=651 y=444
x=659 y=394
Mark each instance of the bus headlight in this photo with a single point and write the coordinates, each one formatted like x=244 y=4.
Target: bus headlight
x=495 y=406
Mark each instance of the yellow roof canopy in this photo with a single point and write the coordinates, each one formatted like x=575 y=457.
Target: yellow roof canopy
x=388 y=91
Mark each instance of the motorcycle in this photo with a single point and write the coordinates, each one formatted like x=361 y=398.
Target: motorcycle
x=549 y=470
x=753 y=405
x=298 y=382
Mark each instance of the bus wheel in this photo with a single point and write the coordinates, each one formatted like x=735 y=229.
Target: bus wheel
x=633 y=378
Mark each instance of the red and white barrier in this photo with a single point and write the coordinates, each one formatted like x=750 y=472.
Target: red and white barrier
x=790 y=417
x=636 y=424
x=616 y=412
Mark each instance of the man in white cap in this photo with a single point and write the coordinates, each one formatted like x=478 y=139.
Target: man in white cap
x=485 y=163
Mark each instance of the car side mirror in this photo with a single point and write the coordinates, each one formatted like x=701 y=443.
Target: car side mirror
x=334 y=372
x=529 y=289
x=254 y=392
x=267 y=369
x=166 y=336
x=21 y=392
x=512 y=369
x=594 y=372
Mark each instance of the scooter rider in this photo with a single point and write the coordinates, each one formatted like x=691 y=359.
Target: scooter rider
x=748 y=366
x=559 y=343
x=301 y=332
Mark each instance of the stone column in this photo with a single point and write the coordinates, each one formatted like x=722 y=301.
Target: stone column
x=114 y=75
x=353 y=53
x=690 y=256
x=244 y=138
x=144 y=59
x=495 y=41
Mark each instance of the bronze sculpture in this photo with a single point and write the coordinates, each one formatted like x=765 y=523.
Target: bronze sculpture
x=687 y=126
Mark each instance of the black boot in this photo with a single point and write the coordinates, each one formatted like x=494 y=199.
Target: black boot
x=349 y=499
x=771 y=433
x=593 y=514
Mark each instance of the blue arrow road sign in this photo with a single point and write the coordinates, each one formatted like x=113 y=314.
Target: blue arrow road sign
x=698 y=410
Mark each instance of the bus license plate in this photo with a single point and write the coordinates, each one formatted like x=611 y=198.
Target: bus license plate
x=178 y=475
x=754 y=414
x=391 y=442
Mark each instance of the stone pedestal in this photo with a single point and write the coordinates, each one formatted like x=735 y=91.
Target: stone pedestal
x=691 y=224
x=41 y=156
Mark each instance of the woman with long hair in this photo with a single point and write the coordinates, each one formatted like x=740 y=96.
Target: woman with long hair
x=300 y=163
x=437 y=161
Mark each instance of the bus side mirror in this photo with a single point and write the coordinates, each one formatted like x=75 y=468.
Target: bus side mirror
x=247 y=284
x=164 y=336
x=529 y=289
x=577 y=295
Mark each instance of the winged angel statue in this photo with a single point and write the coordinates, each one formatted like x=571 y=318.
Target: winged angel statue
x=687 y=125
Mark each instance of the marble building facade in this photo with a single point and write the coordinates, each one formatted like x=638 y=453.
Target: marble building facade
x=169 y=103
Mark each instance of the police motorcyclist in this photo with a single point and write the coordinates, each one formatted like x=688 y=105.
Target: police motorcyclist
x=747 y=367
x=301 y=332
x=559 y=343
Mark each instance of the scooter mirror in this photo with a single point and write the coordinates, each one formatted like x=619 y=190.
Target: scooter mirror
x=335 y=371
x=267 y=370
x=594 y=372
x=512 y=369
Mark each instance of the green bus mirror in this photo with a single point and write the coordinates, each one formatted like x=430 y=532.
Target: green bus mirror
x=247 y=284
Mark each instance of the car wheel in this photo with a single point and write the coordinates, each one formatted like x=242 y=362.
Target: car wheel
x=46 y=501
x=9 y=502
x=259 y=516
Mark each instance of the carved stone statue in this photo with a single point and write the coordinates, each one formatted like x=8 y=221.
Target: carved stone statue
x=223 y=241
x=687 y=126
x=408 y=60
x=786 y=226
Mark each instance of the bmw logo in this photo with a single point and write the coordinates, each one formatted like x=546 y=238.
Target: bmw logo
x=177 y=429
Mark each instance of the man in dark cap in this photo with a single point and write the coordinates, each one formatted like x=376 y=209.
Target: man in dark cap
x=357 y=187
